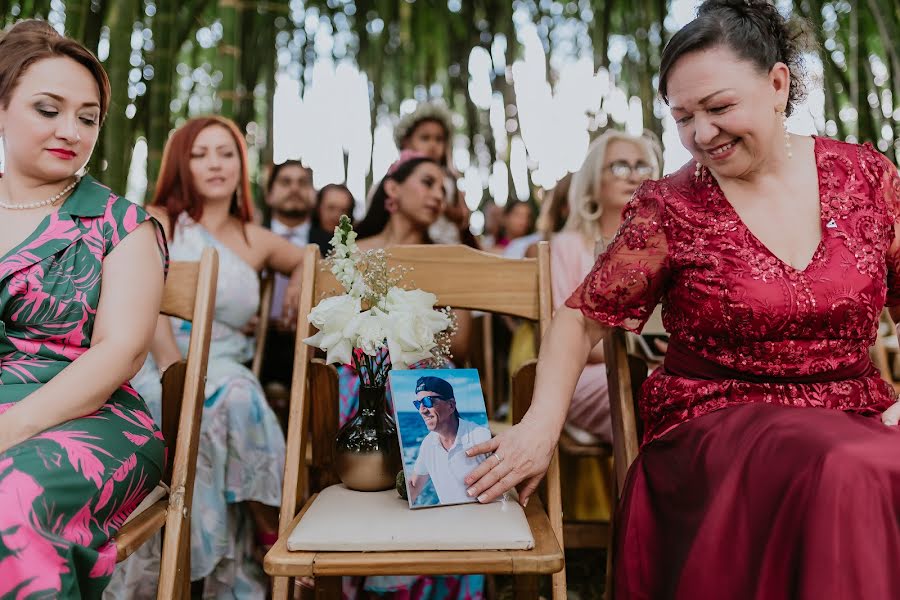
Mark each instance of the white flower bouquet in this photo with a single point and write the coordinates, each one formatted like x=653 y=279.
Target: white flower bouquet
x=376 y=324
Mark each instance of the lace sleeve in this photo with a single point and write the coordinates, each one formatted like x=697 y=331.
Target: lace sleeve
x=889 y=187
x=628 y=279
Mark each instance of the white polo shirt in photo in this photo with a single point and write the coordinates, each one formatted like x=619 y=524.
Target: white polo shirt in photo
x=448 y=468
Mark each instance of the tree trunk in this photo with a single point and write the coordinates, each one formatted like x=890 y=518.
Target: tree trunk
x=118 y=138
x=228 y=57
x=160 y=89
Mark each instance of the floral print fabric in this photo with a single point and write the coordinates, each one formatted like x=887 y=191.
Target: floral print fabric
x=66 y=492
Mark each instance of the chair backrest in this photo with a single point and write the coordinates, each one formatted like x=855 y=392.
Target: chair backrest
x=625 y=374
x=189 y=294
x=460 y=277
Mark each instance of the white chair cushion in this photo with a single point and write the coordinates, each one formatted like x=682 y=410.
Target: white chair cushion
x=155 y=495
x=344 y=520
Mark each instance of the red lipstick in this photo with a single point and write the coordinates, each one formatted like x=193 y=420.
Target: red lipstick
x=62 y=153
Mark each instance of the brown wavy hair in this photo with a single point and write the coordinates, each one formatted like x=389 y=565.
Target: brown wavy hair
x=32 y=40
x=175 y=189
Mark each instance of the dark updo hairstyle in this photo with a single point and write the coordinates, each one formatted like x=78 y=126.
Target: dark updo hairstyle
x=753 y=29
x=377 y=216
x=32 y=40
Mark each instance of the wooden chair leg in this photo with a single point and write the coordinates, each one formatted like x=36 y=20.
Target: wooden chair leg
x=328 y=588
x=609 y=587
x=185 y=560
x=526 y=587
x=281 y=588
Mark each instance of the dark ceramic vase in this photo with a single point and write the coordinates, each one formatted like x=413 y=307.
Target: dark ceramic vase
x=366 y=449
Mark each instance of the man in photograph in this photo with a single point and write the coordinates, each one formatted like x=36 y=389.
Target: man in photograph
x=442 y=454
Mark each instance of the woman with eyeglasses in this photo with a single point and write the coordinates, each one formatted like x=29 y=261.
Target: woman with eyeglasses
x=616 y=164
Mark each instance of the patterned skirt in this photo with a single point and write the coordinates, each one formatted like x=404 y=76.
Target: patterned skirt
x=64 y=494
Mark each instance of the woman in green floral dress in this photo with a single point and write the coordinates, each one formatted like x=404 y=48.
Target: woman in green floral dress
x=78 y=448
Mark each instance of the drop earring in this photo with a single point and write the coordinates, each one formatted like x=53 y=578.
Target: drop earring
x=698 y=171
x=787 y=135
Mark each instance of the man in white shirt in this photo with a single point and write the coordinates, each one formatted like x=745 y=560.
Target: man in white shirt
x=290 y=197
x=442 y=454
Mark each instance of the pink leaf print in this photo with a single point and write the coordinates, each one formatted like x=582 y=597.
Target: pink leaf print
x=138 y=418
x=106 y=494
x=6 y=407
x=124 y=469
x=137 y=440
x=106 y=561
x=78 y=529
x=135 y=493
x=32 y=558
x=80 y=453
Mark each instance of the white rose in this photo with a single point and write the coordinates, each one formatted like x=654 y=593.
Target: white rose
x=368 y=330
x=408 y=301
x=330 y=317
x=410 y=339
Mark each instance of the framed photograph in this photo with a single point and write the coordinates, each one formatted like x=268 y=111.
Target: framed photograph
x=440 y=414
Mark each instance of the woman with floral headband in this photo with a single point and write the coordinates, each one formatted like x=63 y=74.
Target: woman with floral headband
x=428 y=130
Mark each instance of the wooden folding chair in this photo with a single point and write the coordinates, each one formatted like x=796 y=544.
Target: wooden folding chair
x=189 y=294
x=462 y=278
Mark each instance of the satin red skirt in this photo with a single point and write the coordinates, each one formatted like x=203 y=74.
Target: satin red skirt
x=763 y=502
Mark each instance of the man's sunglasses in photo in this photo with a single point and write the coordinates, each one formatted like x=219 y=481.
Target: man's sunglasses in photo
x=428 y=401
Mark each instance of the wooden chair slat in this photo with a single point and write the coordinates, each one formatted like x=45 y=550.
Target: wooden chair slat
x=324 y=421
x=262 y=326
x=140 y=529
x=172 y=396
x=624 y=423
x=492 y=283
x=180 y=292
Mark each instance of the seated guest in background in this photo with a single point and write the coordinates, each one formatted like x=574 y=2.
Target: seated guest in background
x=290 y=198
x=518 y=226
x=81 y=281
x=332 y=202
x=442 y=455
x=203 y=199
x=615 y=165
x=769 y=461
x=428 y=130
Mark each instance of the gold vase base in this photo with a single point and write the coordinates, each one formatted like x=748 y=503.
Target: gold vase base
x=367 y=471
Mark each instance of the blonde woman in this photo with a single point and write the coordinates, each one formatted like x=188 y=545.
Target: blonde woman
x=616 y=164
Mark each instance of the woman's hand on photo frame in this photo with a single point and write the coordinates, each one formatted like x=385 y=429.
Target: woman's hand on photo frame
x=519 y=457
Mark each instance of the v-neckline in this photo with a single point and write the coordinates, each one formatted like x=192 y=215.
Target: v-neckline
x=38 y=230
x=823 y=227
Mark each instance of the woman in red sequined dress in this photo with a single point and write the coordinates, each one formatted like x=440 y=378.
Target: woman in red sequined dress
x=770 y=465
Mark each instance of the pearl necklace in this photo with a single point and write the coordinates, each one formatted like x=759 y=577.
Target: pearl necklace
x=41 y=203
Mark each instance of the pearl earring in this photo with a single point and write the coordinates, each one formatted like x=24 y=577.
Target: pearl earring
x=787 y=135
x=698 y=171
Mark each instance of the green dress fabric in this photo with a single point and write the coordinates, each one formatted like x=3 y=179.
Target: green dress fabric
x=65 y=492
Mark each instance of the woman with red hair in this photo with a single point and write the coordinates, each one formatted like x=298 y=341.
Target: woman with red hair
x=202 y=199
